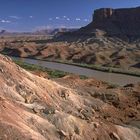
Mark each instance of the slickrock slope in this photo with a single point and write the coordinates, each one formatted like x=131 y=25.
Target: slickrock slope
x=35 y=108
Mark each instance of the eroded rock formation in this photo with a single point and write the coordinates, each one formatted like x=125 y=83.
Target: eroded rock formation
x=116 y=22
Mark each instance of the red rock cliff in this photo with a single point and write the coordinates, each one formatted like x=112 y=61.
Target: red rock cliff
x=118 y=22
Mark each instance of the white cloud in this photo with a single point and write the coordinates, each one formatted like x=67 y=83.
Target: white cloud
x=78 y=19
x=50 y=19
x=86 y=20
x=30 y=16
x=5 y=21
x=64 y=16
x=14 y=17
x=57 y=17
x=68 y=19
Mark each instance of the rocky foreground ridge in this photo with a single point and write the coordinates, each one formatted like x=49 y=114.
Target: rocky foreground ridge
x=34 y=108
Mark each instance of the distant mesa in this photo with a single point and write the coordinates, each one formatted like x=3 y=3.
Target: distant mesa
x=3 y=32
x=54 y=31
x=123 y=23
x=116 y=22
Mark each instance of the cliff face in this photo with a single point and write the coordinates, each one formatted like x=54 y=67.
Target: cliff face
x=123 y=23
x=102 y=14
x=122 y=15
x=117 y=22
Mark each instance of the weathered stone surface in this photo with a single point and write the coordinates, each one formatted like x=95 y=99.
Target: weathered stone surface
x=66 y=108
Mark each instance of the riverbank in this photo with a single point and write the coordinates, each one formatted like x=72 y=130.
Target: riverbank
x=50 y=72
x=96 y=67
x=99 y=68
x=113 y=78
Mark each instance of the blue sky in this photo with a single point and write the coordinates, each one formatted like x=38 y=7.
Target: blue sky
x=30 y=15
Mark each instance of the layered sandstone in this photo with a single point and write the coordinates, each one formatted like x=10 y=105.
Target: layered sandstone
x=118 y=22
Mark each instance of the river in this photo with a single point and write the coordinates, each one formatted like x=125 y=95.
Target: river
x=114 y=78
